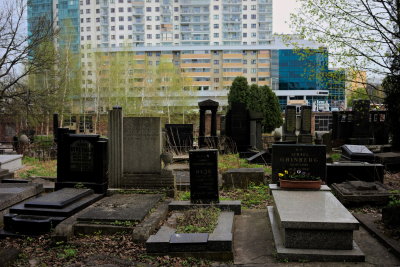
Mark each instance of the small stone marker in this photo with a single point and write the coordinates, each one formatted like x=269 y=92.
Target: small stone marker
x=310 y=159
x=204 y=176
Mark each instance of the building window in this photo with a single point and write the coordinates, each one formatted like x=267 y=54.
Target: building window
x=112 y=19
x=216 y=7
x=120 y=9
x=148 y=27
x=244 y=26
x=176 y=9
x=87 y=11
x=121 y=27
x=253 y=34
x=148 y=36
x=216 y=26
x=216 y=80
x=216 y=62
x=253 y=26
x=245 y=34
x=121 y=37
x=148 y=18
x=253 y=80
x=148 y=9
x=253 y=16
x=121 y=18
x=97 y=11
x=216 y=16
x=253 y=7
x=216 y=35
x=112 y=10
x=87 y=19
x=113 y=28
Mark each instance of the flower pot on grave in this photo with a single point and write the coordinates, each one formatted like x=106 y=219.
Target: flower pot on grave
x=300 y=184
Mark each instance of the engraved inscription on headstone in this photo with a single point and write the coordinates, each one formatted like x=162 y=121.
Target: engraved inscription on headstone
x=204 y=176
x=310 y=159
x=81 y=156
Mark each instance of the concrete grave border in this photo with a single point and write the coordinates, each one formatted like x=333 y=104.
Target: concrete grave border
x=217 y=245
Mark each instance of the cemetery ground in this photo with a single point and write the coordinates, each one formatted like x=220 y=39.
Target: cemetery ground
x=253 y=244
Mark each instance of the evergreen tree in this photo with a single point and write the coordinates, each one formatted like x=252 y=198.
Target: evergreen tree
x=239 y=91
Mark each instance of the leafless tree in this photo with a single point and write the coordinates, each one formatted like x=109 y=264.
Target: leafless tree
x=22 y=52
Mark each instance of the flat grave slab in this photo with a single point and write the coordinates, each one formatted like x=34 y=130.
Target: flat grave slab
x=297 y=254
x=357 y=153
x=59 y=200
x=11 y=162
x=359 y=192
x=312 y=210
x=121 y=207
x=12 y=193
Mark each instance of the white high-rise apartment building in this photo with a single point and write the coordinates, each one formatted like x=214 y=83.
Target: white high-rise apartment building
x=119 y=23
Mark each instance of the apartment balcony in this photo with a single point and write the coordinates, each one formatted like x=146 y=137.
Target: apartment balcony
x=232 y=29
x=195 y=3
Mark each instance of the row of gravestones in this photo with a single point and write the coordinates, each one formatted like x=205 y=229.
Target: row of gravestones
x=361 y=126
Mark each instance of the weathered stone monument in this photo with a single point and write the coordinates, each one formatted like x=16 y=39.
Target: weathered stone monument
x=81 y=161
x=136 y=153
x=212 y=140
x=289 y=127
x=305 y=136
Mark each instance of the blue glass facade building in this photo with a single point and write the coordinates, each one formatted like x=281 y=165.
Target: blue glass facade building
x=308 y=69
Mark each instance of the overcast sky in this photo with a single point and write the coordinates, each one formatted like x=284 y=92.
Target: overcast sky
x=281 y=15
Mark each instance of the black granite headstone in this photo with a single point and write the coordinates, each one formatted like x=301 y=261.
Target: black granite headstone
x=379 y=127
x=82 y=159
x=204 y=176
x=310 y=159
x=180 y=136
x=361 y=118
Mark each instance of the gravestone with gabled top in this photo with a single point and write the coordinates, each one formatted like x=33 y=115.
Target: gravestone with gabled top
x=289 y=127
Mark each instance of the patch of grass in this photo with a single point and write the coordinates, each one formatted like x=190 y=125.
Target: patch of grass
x=394 y=198
x=35 y=167
x=203 y=220
x=183 y=195
x=335 y=156
x=232 y=161
x=254 y=197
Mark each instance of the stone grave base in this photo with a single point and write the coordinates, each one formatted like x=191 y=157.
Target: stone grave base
x=242 y=177
x=359 y=192
x=224 y=205
x=164 y=181
x=13 y=193
x=41 y=214
x=11 y=162
x=123 y=213
x=313 y=226
x=98 y=188
x=5 y=174
x=216 y=245
x=339 y=172
x=297 y=254
x=391 y=160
